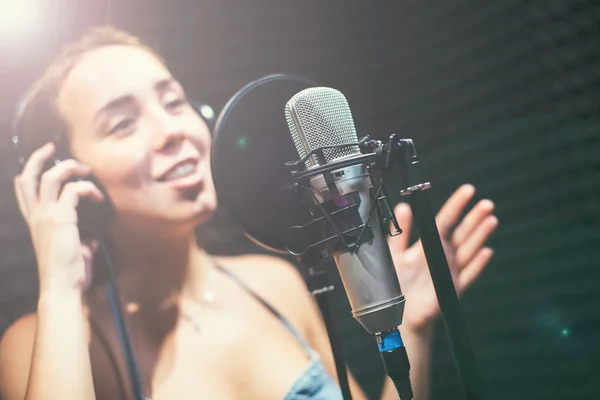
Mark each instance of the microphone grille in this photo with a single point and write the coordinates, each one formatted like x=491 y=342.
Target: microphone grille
x=319 y=117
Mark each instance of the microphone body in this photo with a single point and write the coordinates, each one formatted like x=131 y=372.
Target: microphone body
x=320 y=118
x=367 y=271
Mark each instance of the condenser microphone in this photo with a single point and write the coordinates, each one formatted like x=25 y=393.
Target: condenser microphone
x=332 y=202
x=320 y=119
x=342 y=204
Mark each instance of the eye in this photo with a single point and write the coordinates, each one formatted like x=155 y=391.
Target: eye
x=175 y=104
x=122 y=126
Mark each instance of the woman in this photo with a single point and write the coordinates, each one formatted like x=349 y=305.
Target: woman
x=197 y=324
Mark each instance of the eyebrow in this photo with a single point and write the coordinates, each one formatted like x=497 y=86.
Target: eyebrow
x=128 y=99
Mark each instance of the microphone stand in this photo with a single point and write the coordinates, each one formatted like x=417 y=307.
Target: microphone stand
x=320 y=287
x=416 y=190
x=383 y=157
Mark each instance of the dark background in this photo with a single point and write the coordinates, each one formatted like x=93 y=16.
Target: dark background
x=501 y=94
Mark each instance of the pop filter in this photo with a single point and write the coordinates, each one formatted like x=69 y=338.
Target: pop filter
x=251 y=144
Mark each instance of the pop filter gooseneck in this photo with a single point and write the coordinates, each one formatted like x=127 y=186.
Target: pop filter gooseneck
x=251 y=144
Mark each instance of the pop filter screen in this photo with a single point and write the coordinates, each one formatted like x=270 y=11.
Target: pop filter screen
x=251 y=144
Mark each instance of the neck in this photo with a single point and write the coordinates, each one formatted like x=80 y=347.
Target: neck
x=153 y=269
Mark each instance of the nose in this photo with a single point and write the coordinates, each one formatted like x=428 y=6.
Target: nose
x=169 y=133
x=167 y=140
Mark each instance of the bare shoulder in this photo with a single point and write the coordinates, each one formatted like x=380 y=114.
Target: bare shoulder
x=277 y=281
x=268 y=274
x=16 y=353
x=19 y=336
x=281 y=284
x=16 y=349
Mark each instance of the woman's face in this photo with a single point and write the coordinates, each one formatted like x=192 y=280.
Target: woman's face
x=131 y=123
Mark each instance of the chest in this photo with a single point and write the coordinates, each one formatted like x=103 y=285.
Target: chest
x=224 y=351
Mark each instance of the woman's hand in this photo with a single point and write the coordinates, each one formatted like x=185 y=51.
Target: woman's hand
x=50 y=211
x=464 y=247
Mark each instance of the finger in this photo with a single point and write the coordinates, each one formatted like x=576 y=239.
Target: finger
x=475 y=242
x=20 y=200
x=31 y=172
x=453 y=208
x=474 y=268
x=471 y=221
x=53 y=179
x=403 y=215
x=73 y=192
x=90 y=246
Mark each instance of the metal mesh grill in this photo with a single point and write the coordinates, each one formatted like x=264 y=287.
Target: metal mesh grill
x=319 y=117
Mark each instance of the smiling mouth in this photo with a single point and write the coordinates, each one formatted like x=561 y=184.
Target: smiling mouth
x=182 y=171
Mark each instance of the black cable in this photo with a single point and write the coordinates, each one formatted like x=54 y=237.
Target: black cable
x=115 y=304
x=395 y=362
x=397 y=367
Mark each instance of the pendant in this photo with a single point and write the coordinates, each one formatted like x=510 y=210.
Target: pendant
x=208 y=297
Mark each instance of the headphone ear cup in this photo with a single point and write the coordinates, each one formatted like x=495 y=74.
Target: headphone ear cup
x=92 y=217
x=205 y=111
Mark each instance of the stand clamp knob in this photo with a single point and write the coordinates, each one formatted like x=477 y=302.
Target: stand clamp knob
x=412 y=189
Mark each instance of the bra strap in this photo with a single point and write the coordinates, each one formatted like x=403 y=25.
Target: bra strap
x=307 y=349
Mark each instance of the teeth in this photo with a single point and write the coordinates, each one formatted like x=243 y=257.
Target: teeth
x=181 y=171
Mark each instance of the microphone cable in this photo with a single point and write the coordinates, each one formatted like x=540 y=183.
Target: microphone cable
x=124 y=338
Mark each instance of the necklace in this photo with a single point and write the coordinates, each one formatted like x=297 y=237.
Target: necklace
x=207 y=297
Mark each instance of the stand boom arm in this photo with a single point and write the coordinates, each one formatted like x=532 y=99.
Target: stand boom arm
x=464 y=357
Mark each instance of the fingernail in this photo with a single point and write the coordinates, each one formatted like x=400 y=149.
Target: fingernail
x=493 y=221
x=94 y=245
x=487 y=204
x=469 y=189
